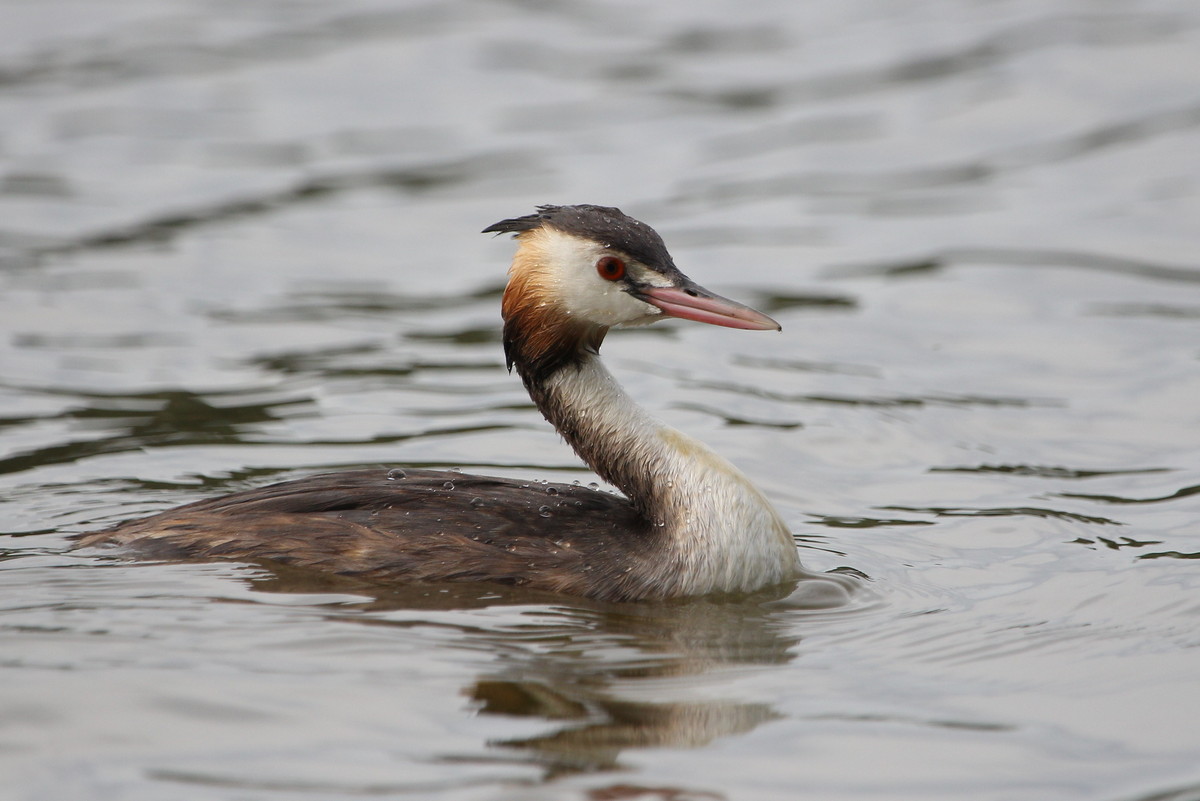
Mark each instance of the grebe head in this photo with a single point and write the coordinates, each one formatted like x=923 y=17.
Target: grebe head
x=580 y=270
x=607 y=269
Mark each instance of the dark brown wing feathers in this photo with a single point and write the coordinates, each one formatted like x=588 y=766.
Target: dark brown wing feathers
x=425 y=526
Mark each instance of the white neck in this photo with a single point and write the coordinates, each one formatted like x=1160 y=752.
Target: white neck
x=720 y=533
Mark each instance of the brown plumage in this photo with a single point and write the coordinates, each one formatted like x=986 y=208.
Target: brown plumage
x=540 y=337
x=360 y=524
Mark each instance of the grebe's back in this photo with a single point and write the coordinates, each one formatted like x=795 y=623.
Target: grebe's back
x=407 y=525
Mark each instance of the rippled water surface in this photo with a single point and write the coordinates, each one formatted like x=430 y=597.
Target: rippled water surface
x=238 y=244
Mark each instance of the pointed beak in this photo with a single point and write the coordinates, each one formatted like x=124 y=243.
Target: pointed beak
x=691 y=301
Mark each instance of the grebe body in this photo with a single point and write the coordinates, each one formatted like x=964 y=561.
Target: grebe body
x=689 y=523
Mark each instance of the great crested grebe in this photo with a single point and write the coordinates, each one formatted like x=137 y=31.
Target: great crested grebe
x=690 y=523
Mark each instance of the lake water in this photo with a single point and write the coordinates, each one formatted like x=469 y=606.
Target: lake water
x=238 y=243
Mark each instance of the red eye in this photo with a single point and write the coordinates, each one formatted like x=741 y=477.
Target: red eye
x=611 y=268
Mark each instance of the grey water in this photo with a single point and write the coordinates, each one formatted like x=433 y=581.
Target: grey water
x=238 y=244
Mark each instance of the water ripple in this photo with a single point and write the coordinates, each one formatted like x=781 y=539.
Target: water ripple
x=1002 y=511
x=1022 y=257
x=416 y=178
x=1047 y=471
x=1185 y=492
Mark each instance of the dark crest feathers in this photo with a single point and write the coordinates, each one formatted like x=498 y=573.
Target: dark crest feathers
x=604 y=224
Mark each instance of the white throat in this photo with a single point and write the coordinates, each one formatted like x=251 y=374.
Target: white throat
x=722 y=534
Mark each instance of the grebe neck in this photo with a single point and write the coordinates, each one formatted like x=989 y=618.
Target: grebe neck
x=718 y=532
